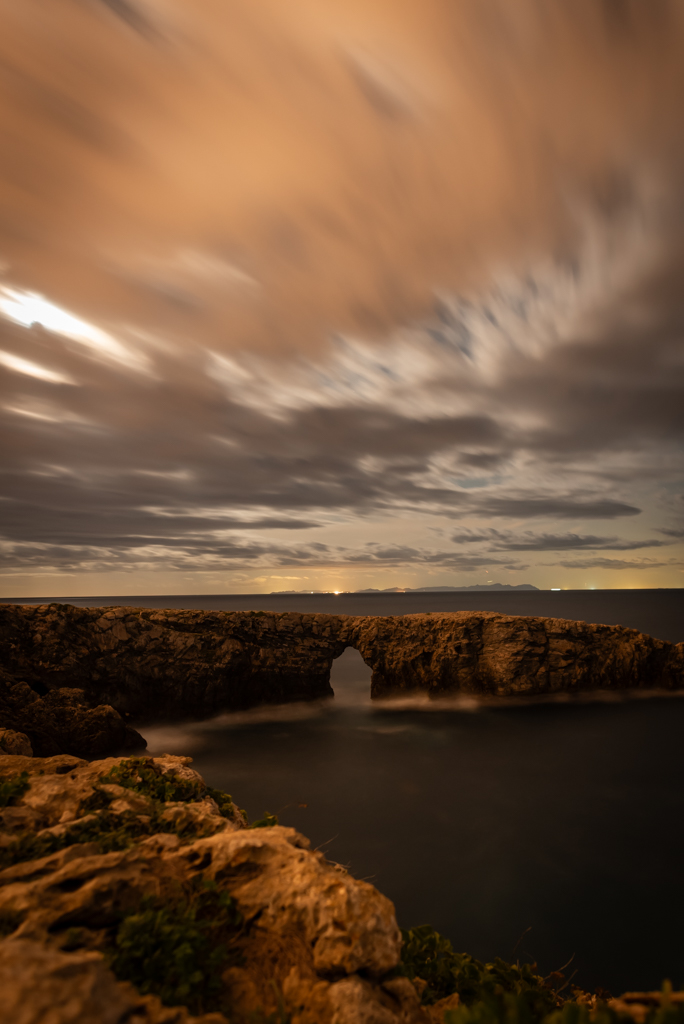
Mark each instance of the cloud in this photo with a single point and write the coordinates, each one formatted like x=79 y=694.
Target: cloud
x=497 y=541
x=377 y=312
x=31 y=369
x=557 y=508
x=617 y=563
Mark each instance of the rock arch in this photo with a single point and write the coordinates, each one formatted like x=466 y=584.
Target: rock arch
x=172 y=664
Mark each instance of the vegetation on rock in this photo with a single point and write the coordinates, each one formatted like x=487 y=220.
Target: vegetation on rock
x=505 y=993
x=429 y=956
x=178 y=949
x=117 y=831
x=12 y=789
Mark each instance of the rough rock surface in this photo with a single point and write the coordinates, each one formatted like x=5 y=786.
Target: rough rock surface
x=316 y=944
x=503 y=655
x=12 y=742
x=72 y=676
x=63 y=720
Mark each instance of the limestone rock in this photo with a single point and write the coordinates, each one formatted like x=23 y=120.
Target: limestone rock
x=489 y=654
x=12 y=742
x=41 y=985
x=73 y=676
x=64 y=721
x=316 y=944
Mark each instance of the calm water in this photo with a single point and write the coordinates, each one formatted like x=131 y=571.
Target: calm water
x=566 y=818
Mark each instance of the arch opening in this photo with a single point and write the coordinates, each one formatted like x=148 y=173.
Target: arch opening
x=350 y=677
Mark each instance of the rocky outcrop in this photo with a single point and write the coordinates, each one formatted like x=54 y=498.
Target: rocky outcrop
x=12 y=742
x=132 y=893
x=180 y=663
x=484 y=653
x=74 y=676
x=64 y=720
x=97 y=851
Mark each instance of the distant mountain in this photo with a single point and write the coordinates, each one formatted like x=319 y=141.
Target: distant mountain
x=415 y=590
x=440 y=590
x=274 y=592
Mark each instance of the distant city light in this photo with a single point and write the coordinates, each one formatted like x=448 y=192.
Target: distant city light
x=555 y=588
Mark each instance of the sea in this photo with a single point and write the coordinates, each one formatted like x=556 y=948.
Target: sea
x=550 y=833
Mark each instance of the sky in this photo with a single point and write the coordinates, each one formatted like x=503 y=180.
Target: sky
x=338 y=294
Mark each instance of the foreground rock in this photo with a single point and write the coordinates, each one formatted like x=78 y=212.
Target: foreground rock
x=73 y=677
x=132 y=893
x=88 y=857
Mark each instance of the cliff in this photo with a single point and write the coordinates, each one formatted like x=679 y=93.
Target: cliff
x=73 y=678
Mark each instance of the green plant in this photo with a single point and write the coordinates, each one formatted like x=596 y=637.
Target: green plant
x=428 y=955
x=178 y=949
x=11 y=789
x=504 y=993
x=267 y=821
x=143 y=776
x=223 y=800
x=117 y=831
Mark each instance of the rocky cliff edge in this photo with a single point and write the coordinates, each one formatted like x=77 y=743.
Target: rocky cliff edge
x=73 y=680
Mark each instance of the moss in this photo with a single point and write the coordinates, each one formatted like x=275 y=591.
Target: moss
x=143 y=776
x=119 y=831
x=11 y=789
x=224 y=802
x=267 y=821
x=178 y=949
x=109 y=830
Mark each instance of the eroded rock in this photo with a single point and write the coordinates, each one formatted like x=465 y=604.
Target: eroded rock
x=12 y=742
x=314 y=942
x=74 y=676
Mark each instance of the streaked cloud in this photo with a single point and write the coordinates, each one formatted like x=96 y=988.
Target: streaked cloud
x=413 y=308
x=19 y=365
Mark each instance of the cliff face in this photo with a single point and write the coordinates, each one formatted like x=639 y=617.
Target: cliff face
x=174 y=663
x=502 y=655
x=72 y=676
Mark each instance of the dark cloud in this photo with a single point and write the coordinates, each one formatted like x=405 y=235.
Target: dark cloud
x=497 y=541
x=617 y=563
x=556 y=508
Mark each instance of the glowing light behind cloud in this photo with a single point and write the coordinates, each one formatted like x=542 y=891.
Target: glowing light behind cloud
x=19 y=365
x=29 y=308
